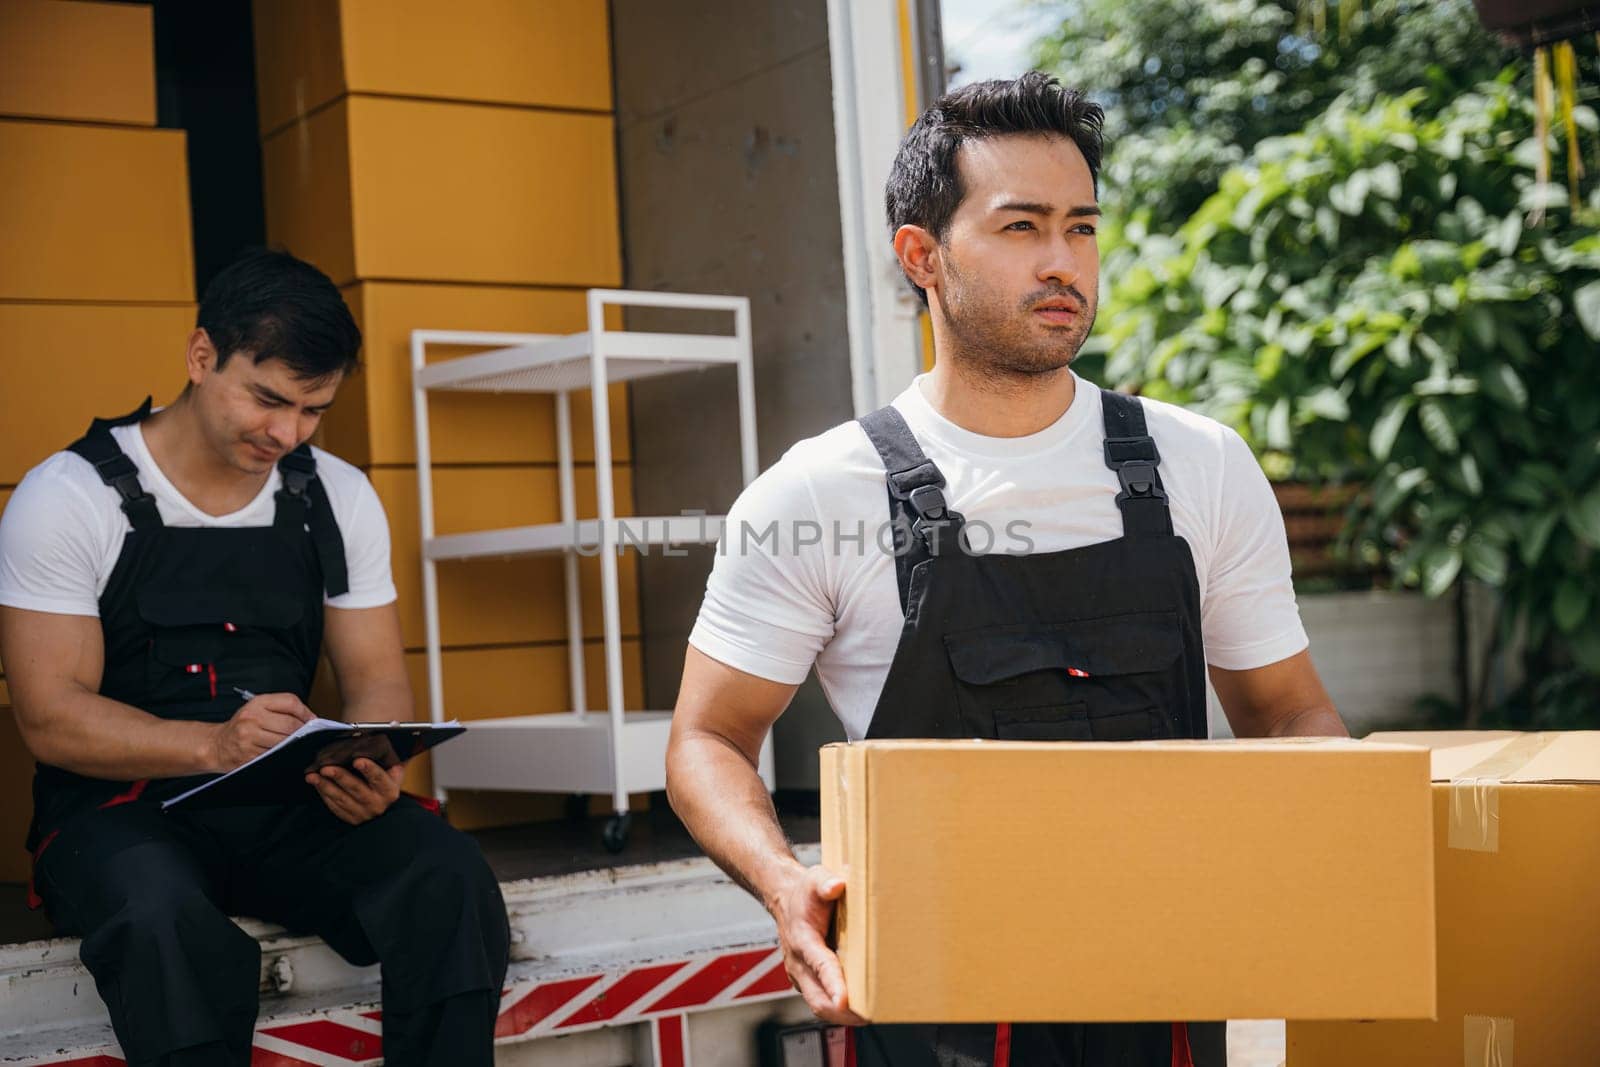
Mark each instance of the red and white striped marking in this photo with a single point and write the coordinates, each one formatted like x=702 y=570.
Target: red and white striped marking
x=663 y=993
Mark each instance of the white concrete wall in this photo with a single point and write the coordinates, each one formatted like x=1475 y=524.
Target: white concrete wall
x=1377 y=652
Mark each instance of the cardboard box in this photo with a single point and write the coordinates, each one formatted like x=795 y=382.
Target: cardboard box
x=414 y=190
x=553 y=53
x=1131 y=882
x=1517 y=862
x=80 y=62
x=94 y=214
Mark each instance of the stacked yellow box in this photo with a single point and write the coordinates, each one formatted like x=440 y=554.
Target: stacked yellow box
x=452 y=167
x=1516 y=845
x=96 y=263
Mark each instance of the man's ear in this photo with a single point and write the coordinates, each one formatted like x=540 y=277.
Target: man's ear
x=201 y=357
x=918 y=252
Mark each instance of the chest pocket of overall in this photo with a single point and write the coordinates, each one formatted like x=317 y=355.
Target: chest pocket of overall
x=1105 y=679
x=197 y=634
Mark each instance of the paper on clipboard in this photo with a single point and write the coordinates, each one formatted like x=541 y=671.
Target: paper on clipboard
x=278 y=774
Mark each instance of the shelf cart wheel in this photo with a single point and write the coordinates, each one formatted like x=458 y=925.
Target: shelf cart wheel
x=577 y=807
x=615 y=835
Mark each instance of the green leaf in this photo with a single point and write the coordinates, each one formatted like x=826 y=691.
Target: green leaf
x=1586 y=649
x=1540 y=527
x=1516 y=346
x=1584 y=518
x=1436 y=425
x=1398 y=349
x=1470 y=474
x=1327 y=225
x=1481 y=325
x=1278 y=435
x=1586 y=302
x=1485 y=561
x=1571 y=605
x=1439 y=569
x=1327 y=403
x=1387 y=428
x=1386 y=180
x=1504 y=385
x=1353 y=353
x=1268 y=361
x=1449 y=385
x=1504 y=238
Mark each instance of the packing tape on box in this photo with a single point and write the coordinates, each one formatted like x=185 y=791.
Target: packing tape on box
x=1486 y=1041
x=1475 y=793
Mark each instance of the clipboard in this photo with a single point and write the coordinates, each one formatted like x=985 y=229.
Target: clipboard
x=277 y=776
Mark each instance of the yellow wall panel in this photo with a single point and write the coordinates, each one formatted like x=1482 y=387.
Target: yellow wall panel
x=305 y=172
x=299 y=59
x=467 y=193
x=497 y=601
x=343 y=429
x=465 y=427
x=553 y=53
x=83 y=62
x=93 y=213
x=548 y=53
x=446 y=192
x=114 y=355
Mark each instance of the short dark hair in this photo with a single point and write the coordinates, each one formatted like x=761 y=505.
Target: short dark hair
x=924 y=186
x=269 y=305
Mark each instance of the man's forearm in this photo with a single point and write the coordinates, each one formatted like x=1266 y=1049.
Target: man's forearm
x=722 y=800
x=386 y=701
x=97 y=737
x=1312 y=722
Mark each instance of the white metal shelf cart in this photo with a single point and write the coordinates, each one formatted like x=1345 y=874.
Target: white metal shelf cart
x=576 y=752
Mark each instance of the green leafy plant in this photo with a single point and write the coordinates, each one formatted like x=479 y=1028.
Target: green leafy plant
x=1367 y=300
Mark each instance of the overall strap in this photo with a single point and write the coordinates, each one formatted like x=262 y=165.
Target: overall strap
x=302 y=503
x=116 y=469
x=1131 y=452
x=924 y=525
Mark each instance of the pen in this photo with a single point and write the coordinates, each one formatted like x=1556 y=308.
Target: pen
x=244 y=694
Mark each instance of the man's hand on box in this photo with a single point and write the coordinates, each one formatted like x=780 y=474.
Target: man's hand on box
x=803 y=908
x=360 y=794
x=262 y=722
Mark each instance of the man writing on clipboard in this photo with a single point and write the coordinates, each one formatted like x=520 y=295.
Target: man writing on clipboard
x=164 y=566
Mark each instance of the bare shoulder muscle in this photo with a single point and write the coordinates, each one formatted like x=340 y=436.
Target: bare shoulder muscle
x=44 y=654
x=720 y=700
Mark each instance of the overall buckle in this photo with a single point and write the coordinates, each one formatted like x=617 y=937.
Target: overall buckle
x=934 y=516
x=1139 y=482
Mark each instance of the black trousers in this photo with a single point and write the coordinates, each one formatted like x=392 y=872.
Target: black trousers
x=150 y=894
x=1032 y=1045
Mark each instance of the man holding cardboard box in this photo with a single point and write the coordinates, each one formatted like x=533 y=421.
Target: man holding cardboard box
x=1052 y=556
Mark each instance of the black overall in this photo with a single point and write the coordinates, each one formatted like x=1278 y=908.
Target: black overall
x=187 y=615
x=1100 y=643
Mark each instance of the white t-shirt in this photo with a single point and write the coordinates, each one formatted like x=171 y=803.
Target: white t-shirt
x=63 y=529
x=820 y=591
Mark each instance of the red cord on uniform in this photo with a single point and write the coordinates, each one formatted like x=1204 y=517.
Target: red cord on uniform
x=1002 y=1045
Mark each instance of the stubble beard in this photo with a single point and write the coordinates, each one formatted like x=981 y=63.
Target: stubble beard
x=1006 y=344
